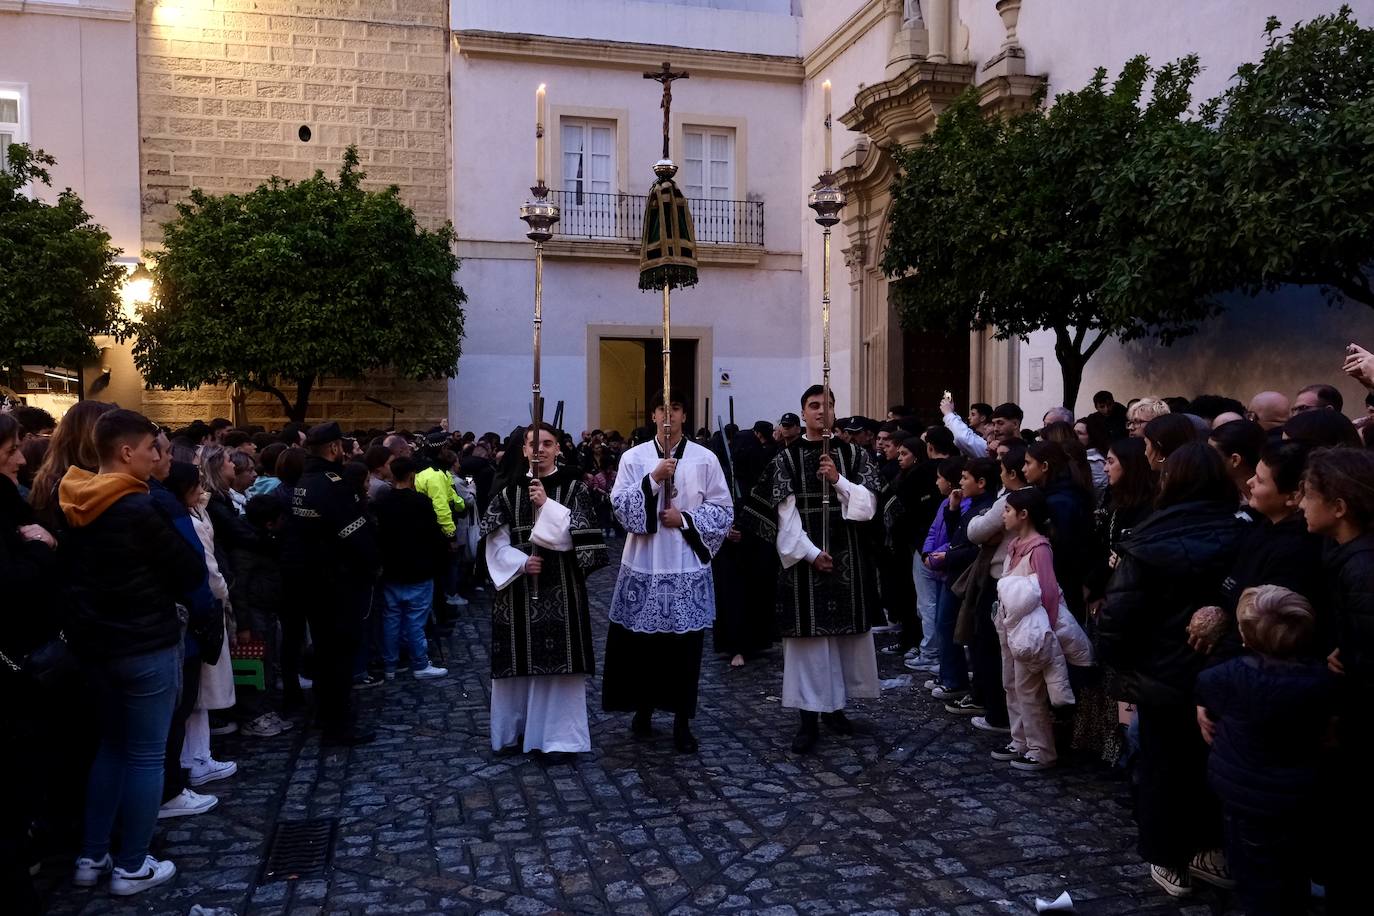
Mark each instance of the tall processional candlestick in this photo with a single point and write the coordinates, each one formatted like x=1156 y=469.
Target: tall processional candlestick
x=540 y=215
x=667 y=256
x=827 y=200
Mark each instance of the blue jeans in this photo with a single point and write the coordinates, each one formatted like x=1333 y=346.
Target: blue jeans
x=407 y=609
x=927 y=596
x=953 y=665
x=137 y=696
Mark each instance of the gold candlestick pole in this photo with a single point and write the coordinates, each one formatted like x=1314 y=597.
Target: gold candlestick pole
x=540 y=214
x=827 y=200
x=667 y=389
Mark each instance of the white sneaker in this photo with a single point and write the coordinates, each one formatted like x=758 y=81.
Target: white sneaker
x=89 y=871
x=284 y=724
x=915 y=664
x=457 y=601
x=1175 y=883
x=982 y=723
x=186 y=804
x=262 y=727
x=931 y=684
x=305 y=682
x=952 y=693
x=432 y=671
x=210 y=769
x=124 y=883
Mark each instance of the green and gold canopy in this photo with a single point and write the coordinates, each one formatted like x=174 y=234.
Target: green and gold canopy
x=668 y=253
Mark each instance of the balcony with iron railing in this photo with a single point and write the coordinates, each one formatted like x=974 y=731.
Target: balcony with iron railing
x=620 y=218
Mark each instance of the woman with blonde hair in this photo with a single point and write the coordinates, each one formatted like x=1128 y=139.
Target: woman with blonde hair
x=1142 y=412
x=72 y=444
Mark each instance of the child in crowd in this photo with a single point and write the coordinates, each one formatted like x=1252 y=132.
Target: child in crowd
x=977 y=491
x=933 y=551
x=216 y=673
x=1026 y=519
x=1265 y=715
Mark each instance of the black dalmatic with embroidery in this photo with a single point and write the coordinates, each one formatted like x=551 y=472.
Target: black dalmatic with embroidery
x=844 y=601
x=551 y=634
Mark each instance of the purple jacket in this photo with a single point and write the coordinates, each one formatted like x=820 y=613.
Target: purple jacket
x=938 y=539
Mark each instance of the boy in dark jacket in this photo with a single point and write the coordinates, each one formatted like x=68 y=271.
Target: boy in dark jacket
x=125 y=567
x=414 y=549
x=1265 y=715
x=977 y=491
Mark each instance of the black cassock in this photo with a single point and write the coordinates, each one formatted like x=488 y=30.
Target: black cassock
x=554 y=634
x=844 y=601
x=745 y=571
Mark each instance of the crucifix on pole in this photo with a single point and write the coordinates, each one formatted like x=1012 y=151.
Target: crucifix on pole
x=666 y=76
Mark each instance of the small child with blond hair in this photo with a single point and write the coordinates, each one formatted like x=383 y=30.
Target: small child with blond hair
x=1265 y=714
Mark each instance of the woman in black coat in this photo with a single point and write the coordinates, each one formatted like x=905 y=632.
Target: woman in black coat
x=1172 y=564
x=28 y=569
x=1338 y=502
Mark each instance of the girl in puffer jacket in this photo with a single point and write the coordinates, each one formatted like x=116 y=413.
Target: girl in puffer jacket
x=1039 y=637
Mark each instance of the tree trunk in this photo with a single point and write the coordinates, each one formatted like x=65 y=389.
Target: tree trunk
x=1071 y=365
x=302 y=405
x=1072 y=357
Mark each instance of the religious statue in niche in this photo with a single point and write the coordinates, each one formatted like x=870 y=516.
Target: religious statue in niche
x=911 y=13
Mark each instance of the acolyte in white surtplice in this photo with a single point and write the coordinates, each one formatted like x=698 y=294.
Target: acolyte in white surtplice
x=665 y=575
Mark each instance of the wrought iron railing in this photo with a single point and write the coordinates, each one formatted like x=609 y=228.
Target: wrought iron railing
x=621 y=216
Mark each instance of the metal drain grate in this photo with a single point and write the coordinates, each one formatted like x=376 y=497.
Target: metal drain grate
x=300 y=849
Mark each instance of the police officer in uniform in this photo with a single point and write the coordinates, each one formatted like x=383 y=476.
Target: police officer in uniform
x=330 y=560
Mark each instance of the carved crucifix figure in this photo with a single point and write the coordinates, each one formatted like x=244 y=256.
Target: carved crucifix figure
x=666 y=77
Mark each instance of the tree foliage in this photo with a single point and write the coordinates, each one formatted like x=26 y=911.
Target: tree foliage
x=296 y=281
x=1103 y=217
x=61 y=280
x=1032 y=223
x=1295 y=158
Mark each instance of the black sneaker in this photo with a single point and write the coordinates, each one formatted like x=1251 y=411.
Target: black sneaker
x=1006 y=753
x=368 y=680
x=965 y=706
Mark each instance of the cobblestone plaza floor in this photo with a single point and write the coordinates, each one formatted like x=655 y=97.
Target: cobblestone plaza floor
x=907 y=816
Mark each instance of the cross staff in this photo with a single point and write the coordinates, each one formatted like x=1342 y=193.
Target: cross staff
x=666 y=76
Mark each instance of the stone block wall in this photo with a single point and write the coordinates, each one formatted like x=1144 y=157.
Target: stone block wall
x=225 y=87
x=424 y=404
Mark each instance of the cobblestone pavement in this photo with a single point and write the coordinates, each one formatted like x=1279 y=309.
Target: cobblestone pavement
x=908 y=816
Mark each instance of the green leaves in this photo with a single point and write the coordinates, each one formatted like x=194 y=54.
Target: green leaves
x=1295 y=150
x=1115 y=212
x=61 y=283
x=295 y=281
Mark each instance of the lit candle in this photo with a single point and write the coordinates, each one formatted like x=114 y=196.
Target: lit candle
x=825 y=86
x=539 y=134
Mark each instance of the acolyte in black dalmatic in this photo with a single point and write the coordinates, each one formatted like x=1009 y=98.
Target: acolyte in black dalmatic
x=842 y=602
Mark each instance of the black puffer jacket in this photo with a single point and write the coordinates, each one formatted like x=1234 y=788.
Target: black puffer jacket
x=1072 y=539
x=1283 y=554
x=28 y=570
x=124 y=567
x=1350 y=568
x=1174 y=563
